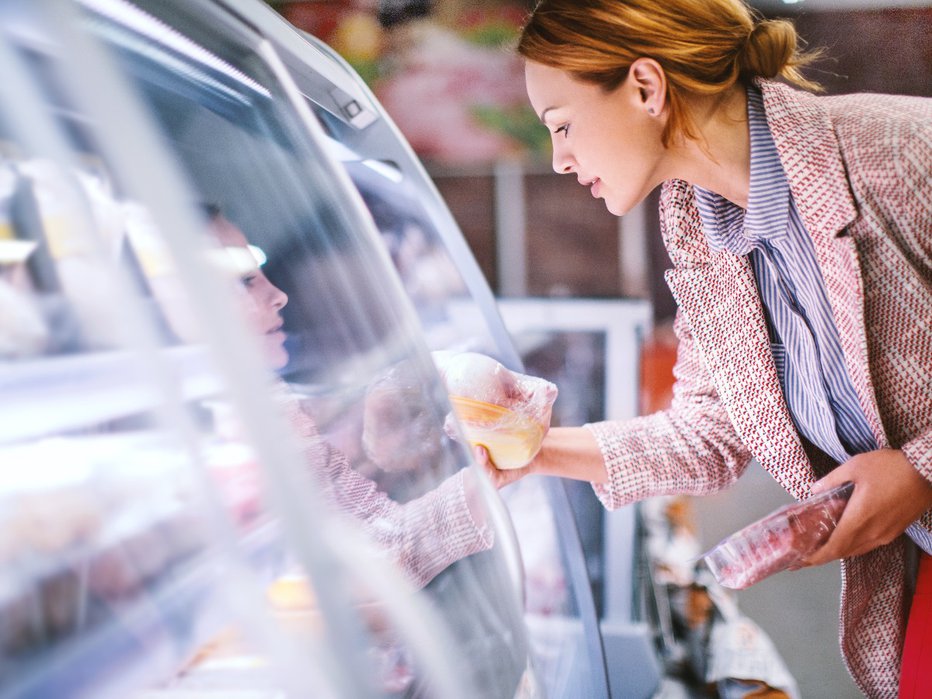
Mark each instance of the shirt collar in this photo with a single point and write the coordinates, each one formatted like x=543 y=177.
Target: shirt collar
x=728 y=226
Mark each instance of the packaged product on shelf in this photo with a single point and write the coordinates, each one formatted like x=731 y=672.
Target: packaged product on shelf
x=105 y=209
x=61 y=218
x=21 y=624
x=400 y=431
x=291 y=592
x=502 y=410
x=23 y=330
x=88 y=522
x=779 y=541
x=145 y=244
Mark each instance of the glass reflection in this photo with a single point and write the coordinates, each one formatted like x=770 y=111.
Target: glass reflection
x=344 y=354
x=424 y=535
x=449 y=295
x=353 y=378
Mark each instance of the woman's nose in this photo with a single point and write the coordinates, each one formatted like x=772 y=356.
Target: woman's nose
x=273 y=296
x=562 y=162
x=279 y=298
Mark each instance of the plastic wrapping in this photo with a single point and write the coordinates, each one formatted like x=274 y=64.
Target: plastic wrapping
x=506 y=412
x=779 y=541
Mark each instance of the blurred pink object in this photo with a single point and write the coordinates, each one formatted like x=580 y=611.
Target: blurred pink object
x=438 y=83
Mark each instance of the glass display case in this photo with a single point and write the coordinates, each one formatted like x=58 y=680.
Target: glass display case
x=227 y=462
x=457 y=311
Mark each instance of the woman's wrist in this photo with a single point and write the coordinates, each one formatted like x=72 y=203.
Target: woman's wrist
x=571 y=452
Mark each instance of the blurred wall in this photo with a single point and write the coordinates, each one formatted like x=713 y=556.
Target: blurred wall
x=872 y=51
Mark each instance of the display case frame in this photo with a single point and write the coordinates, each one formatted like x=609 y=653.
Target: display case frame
x=615 y=558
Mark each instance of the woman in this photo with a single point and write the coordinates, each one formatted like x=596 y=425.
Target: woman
x=800 y=230
x=424 y=535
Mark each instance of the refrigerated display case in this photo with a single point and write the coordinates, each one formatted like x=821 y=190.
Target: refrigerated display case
x=457 y=310
x=225 y=462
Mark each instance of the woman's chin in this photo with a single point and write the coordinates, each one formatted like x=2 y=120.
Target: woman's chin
x=620 y=207
x=277 y=358
x=614 y=208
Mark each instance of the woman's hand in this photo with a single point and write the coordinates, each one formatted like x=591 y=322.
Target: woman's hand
x=566 y=452
x=499 y=477
x=889 y=495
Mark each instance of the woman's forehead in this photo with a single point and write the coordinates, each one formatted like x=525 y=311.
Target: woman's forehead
x=228 y=233
x=551 y=88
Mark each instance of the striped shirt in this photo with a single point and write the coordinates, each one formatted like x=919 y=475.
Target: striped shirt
x=804 y=339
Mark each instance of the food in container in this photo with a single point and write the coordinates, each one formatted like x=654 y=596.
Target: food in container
x=506 y=412
x=779 y=541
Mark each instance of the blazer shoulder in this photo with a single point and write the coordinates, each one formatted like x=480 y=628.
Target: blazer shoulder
x=880 y=122
x=886 y=144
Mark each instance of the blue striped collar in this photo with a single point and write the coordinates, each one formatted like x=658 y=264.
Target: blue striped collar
x=727 y=226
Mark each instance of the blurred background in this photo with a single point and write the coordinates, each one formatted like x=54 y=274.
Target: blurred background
x=444 y=71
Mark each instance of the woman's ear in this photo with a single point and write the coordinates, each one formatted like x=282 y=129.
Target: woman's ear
x=649 y=80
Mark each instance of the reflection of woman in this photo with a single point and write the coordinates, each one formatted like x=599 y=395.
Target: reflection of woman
x=800 y=231
x=424 y=535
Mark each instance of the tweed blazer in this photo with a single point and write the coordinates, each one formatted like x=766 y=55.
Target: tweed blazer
x=860 y=170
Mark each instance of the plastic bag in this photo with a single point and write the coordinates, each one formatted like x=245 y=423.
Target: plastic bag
x=779 y=541
x=506 y=412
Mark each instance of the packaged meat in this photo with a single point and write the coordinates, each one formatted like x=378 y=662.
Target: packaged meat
x=502 y=410
x=779 y=541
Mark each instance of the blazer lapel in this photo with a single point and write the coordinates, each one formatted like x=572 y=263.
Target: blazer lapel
x=731 y=332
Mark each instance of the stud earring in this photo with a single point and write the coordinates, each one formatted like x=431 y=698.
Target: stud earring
x=650 y=110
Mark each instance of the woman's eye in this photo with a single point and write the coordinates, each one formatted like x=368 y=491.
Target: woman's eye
x=565 y=129
x=248 y=280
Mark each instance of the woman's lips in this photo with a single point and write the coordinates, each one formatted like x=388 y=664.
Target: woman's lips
x=592 y=184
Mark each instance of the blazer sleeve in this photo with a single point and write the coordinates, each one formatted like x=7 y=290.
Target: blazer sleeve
x=690 y=448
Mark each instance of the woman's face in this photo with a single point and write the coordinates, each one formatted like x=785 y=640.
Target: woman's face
x=263 y=301
x=607 y=139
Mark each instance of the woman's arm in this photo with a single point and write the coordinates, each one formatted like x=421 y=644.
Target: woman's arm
x=568 y=452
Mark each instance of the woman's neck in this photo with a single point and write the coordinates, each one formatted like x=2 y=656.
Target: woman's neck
x=719 y=158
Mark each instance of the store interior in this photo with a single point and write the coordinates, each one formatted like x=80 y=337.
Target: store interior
x=241 y=268
x=563 y=244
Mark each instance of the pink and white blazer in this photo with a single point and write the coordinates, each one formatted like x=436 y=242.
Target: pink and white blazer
x=860 y=169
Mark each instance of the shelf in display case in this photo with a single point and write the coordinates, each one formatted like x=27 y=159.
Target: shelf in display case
x=52 y=395
x=146 y=639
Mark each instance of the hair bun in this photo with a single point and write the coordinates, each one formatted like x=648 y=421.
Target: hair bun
x=770 y=48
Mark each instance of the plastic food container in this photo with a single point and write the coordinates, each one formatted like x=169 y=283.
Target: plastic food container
x=779 y=541
x=505 y=411
x=511 y=438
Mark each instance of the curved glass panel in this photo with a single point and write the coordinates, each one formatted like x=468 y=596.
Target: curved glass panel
x=232 y=428
x=457 y=311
